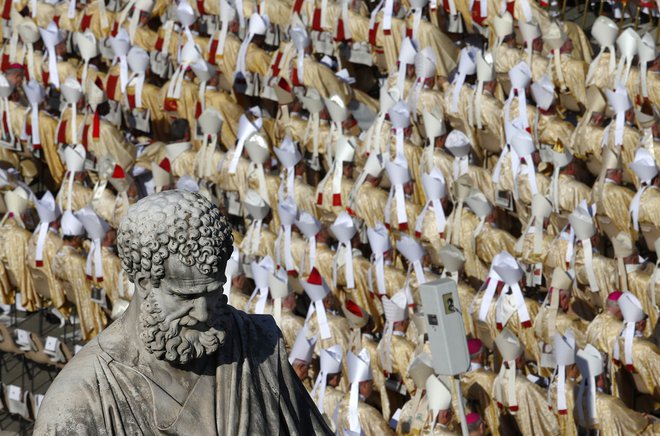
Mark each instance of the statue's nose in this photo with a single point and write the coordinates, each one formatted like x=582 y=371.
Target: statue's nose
x=200 y=309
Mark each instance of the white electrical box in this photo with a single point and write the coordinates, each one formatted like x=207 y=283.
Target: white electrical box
x=445 y=327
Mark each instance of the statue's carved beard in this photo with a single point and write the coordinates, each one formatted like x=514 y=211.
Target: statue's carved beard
x=174 y=340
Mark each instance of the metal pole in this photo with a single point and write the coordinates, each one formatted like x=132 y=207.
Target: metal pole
x=461 y=409
x=624 y=6
x=584 y=14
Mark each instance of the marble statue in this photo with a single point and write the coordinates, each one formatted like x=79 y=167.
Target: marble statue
x=180 y=360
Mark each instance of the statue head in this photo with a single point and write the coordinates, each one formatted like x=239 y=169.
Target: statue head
x=174 y=246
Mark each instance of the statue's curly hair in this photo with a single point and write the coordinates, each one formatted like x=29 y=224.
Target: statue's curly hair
x=178 y=223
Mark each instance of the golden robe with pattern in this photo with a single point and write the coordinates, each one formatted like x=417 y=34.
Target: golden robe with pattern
x=652 y=82
x=81 y=196
x=563 y=322
x=571 y=193
x=613 y=201
x=230 y=111
x=112 y=274
x=646 y=365
x=492 y=134
x=110 y=207
x=256 y=60
x=487 y=330
x=574 y=73
x=446 y=53
x=14 y=240
x=331 y=400
x=533 y=416
x=315 y=74
x=47 y=128
x=43 y=279
x=237 y=182
x=649 y=207
x=477 y=386
x=552 y=128
x=413 y=416
x=371 y=420
x=183 y=107
x=506 y=57
x=614 y=418
x=585 y=144
x=340 y=330
x=110 y=142
x=151 y=102
x=640 y=284
x=265 y=246
x=90 y=18
x=47 y=13
x=602 y=331
x=567 y=424
x=290 y=326
x=603 y=268
x=402 y=353
x=601 y=76
x=69 y=270
x=462 y=117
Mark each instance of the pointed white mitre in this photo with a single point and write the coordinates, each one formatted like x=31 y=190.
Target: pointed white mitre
x=303 y=348
x=520 y=75
x=379 y=238
x=399 y=115
x=508 y=345
x=644 y=165
x=256 y=206
x=452 y=258
x=438 y=395
x=343 y=228
x=420 y=368
x=71 y=226
x=315 y=286
x=543 y=92
x=359 y=366
x=434 y=184
x=278 y=284
x=507 y=267
x=618 y=99
x=261 y=271
x=458 y=143
x=605 y=31
x=631 y=308
x=331 y=358
x=288 y=211
x=287 y=153
x=589 y=361
x=74 y=157
x=409 y=248
x=582 y=222
x=563 y=348
x=16 y=201
x=95 y=226
x=47 y=208
x=308 y=224
x=396 y=308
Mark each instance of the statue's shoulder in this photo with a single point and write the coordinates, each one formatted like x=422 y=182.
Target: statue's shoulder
x=259 y=332
x=70 y=401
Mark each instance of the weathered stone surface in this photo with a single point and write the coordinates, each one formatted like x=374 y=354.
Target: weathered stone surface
x=180 y=360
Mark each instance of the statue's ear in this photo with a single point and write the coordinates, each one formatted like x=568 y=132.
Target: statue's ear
x=142 y=282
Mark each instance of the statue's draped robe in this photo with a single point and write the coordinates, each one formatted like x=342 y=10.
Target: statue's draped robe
x=250 y=390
